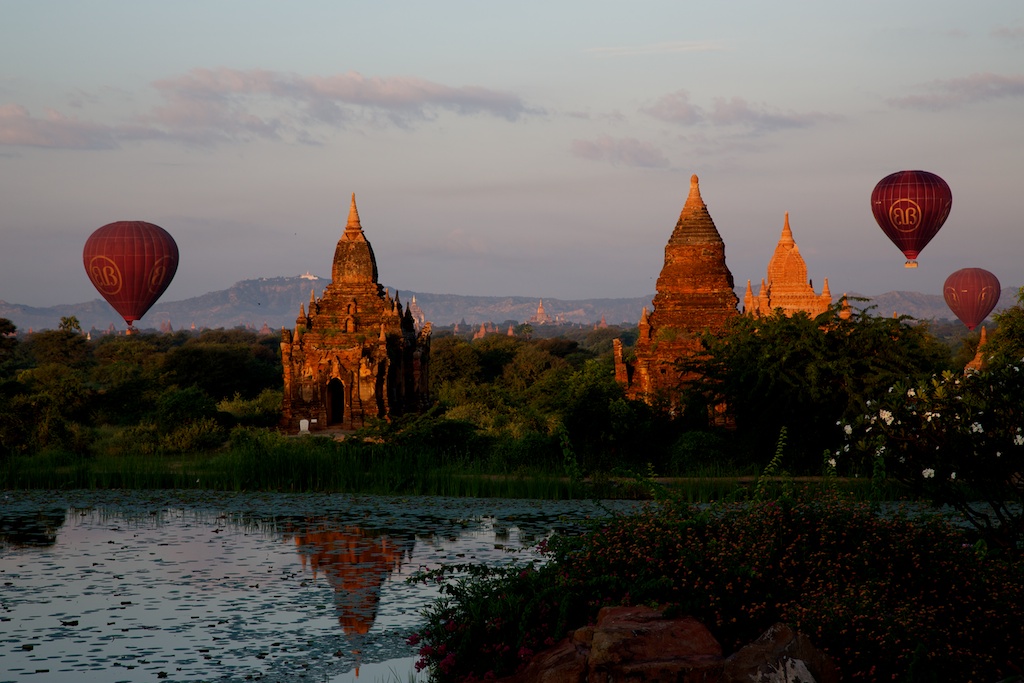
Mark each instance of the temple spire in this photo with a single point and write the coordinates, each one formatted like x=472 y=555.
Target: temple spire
x=787 y=233
x=353 y=216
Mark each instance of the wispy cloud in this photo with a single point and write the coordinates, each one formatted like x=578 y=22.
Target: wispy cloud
x=624 y=151
x=213 y=106
x=677 y=108
x=945 y=94
x=1014 y=34
x=20 y=129
x=657 y=48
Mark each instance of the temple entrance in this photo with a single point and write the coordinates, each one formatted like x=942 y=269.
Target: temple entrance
x=335 y=402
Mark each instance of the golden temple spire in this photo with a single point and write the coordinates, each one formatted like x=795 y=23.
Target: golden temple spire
x=353 y=216
x=787 y=233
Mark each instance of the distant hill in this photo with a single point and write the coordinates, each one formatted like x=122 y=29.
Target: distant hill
x=275 y=302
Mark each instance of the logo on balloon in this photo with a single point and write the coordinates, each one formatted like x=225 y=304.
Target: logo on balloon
x=105 y=275
x=159 y=276
x=905 y=214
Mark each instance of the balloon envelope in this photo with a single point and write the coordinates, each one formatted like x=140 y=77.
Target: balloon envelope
x=910 y=207
x=130 y=263
x=971 y=293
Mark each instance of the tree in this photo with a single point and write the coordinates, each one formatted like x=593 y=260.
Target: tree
x=1006 y=344
x=70 y=324
x=8 y=342
x=958 y=439
x=805 y=374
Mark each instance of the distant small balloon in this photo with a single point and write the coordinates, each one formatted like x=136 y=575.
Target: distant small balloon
x=971 y=293
x=130 y=263
x=910 y=207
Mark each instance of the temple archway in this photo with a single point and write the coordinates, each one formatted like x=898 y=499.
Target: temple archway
x=335 y=402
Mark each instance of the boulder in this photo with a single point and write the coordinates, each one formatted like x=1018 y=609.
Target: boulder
x=780 y=655
x=639 y=645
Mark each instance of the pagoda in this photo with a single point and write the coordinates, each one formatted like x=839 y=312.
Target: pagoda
x=786 y=287
x=694 y=295
x=355 y=355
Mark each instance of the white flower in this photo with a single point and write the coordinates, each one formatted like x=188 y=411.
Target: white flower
x=952 y=476
x=885 y=415
x=911 y=393
x=1018 y=440
x=977 y=428
x=928 y=473
x=832 y=462
x=848 y=430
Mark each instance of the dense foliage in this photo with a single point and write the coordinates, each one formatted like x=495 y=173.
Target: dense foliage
x=806 y=374
x=144 y=393
x=957 y=438
x=888 y=596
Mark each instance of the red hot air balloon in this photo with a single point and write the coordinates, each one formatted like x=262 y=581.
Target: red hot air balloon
x=130 y=263
x=971 y=293
x=910 y=207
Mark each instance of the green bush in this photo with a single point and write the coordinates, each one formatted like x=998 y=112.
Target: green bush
x=889 y=597
x=958 y=440
x=262 y=411
x=197 y=435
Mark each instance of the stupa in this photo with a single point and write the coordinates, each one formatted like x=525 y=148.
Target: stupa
x=694 y=295
x=355 y=355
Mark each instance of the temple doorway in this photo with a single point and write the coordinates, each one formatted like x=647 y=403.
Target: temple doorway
x=335 y=402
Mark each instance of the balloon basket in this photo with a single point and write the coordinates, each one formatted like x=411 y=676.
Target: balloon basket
x=910 y=264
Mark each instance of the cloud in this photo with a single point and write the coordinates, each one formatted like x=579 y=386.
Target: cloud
x=945 y=94
x=215 y=106
x=737 y=111
x=657 y=48
x=676 y=108
x=625 y=151
x=1014 y=34
x=19 y=128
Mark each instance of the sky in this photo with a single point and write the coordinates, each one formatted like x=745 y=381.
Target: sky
x=530 y=149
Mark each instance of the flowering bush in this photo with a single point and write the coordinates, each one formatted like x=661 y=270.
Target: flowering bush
x=883 y=595
x=958 y=440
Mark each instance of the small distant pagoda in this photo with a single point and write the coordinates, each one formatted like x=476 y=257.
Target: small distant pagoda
x=355 y=354
x=540 y=317
x=694 y=294
x=786 y=287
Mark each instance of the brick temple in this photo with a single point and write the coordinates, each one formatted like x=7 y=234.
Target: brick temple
x=786 y=286
x=355 y=355
x=694 y=294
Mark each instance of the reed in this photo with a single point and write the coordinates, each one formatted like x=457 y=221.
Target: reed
x=263 y=459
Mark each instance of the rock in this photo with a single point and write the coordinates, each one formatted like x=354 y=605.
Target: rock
x=635 y=644
x=780 y=655
x=639 y=644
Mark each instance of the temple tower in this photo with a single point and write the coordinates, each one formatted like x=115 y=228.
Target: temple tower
x=786 y=285
x=694 y=295
x=355 y=354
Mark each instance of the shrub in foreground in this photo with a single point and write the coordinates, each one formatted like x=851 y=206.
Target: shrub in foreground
x=890 y=597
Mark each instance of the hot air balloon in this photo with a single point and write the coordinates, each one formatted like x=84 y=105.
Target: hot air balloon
x=971 y=293
x=130 y=263
x=910 y=207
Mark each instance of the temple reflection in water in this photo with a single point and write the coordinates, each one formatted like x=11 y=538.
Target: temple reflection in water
x=356 y=562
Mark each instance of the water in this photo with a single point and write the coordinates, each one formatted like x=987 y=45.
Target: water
x=195 y=586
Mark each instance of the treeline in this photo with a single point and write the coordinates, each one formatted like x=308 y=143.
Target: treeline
x=143 y=393
x=509 y=403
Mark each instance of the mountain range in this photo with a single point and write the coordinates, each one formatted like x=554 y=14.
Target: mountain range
x=274 y=302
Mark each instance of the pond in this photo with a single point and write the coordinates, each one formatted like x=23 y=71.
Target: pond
x=200 y=586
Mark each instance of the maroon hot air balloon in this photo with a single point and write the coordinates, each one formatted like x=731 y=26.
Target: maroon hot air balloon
x=910 y=207
x=130 y=263
x=971 y=293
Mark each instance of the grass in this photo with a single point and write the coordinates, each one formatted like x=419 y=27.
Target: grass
x=264 y=460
